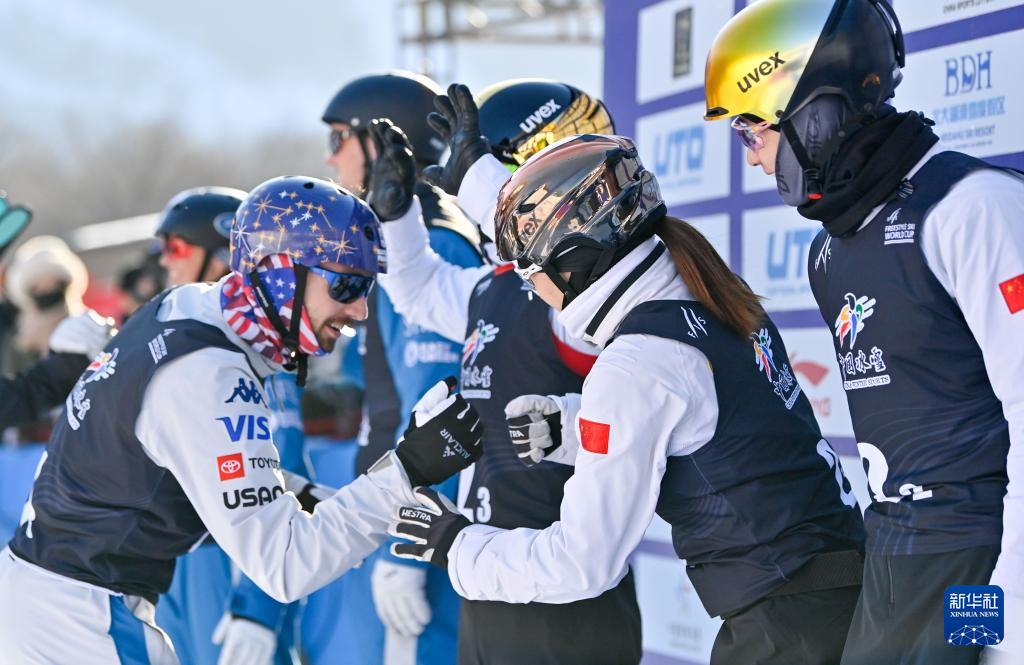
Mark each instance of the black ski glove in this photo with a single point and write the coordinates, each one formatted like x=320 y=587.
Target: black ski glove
x=393 y=178
x=443 y=437
x=431 y=528
x=457 y=120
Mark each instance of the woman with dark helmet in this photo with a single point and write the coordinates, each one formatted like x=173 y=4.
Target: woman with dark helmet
x=691 y=411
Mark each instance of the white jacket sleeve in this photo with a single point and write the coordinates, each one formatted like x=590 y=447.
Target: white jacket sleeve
x=478 y=193
x=426 y=289
x=222 y=455
x=608 y=502
x=974 y=242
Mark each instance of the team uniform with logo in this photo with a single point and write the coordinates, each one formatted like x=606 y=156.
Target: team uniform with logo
x=151 y=454
x=927 y=339
x=511 y=347
x=681 y=417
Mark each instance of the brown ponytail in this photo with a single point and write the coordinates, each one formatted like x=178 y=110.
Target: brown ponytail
x=708 y=277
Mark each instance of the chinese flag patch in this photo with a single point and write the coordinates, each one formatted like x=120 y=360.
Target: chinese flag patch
x=230 y=467
x=1013 y=293
x=594 y=436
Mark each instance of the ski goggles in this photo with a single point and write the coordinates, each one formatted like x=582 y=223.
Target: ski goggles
x=176 y=247
x=750 y=133
x=337 y=137
x=346 y=287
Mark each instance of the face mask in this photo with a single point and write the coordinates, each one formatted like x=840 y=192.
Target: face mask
x=815 y=124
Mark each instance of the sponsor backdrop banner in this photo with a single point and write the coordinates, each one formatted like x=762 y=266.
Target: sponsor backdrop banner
x=963 y=71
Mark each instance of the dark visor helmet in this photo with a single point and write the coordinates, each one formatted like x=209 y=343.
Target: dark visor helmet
x=585 y=190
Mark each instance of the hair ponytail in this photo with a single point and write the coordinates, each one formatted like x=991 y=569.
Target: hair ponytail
x=708 y=277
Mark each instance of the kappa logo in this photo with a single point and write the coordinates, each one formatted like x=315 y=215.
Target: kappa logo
x=777 y=373
x=254 y=428
x=247 y=392
x=448 y=452
x=543 y=113
x=763 y=70
x=158 y=346
x=850 y=321
x=230 y=467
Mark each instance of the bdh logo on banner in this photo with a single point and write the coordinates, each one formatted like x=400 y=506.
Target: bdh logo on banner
x=968 y=73
x=969 y=90
x=974 y=615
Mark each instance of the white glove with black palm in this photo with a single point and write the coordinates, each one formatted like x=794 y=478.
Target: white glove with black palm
x=400 y=596
x=543 y=427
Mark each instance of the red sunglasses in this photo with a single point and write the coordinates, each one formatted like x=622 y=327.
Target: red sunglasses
x=176 y=248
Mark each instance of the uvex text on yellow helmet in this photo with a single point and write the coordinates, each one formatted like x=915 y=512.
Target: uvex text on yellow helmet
x=775 y=56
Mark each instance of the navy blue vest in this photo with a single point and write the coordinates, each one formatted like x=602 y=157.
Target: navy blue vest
x=104 y=512
x=766 y=494
x=510 y=351
x=929 y=428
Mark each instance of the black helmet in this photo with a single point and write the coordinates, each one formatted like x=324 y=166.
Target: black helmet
x=521 y=117
x=578 y=207
x=190 y=215
x=403 y=97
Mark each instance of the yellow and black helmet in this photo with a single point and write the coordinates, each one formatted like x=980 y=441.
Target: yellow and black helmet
x=775 y=56
x=521 y=117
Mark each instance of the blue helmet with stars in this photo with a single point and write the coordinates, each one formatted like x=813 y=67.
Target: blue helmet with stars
x=312 y=221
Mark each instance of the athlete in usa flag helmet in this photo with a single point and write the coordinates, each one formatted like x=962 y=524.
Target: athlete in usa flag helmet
x=287 y=229
x=166 y=439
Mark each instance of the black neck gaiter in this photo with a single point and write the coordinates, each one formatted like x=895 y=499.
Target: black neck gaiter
x=867 y=169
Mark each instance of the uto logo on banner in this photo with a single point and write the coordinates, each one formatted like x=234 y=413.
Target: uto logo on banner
x=690 y=157
x=776 y=242
x=974 y=615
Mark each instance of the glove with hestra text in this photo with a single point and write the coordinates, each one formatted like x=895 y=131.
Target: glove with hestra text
x=244 y=642
x=430 y=527
x=393 y=178
x=457 y=120
x=443 y=437
x=400 y=596
x=542 y=428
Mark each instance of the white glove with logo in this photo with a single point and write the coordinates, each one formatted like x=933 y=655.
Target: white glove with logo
x=400 y=596
x=85 y=334
x=543 y=427
x=244 y=642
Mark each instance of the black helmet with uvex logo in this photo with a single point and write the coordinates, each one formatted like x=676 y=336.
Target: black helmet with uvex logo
x=521 y=117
